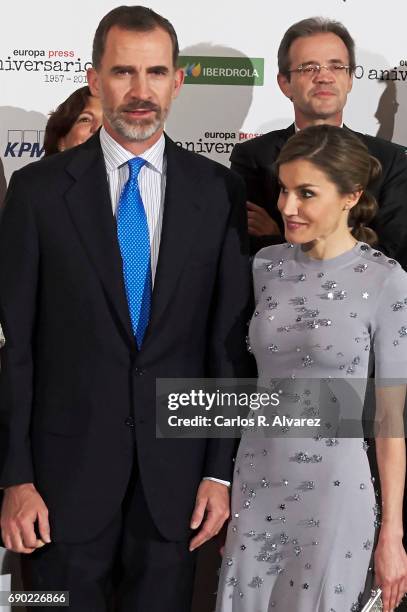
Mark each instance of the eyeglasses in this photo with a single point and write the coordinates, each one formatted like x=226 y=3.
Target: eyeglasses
x=313 y=69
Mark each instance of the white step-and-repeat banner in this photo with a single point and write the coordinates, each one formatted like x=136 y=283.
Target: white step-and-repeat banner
x=229 y=49
x=45 y=49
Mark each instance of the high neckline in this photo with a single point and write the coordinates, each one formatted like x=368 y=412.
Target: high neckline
x=332 y=262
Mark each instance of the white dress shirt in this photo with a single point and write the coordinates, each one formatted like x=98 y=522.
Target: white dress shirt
x=151 y=180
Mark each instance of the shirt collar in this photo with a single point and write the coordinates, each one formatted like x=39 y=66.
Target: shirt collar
x=115 y=155
x=297 y=129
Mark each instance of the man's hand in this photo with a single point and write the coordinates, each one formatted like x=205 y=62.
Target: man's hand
x=259 y=221
x=212 y=502
x=22 y=507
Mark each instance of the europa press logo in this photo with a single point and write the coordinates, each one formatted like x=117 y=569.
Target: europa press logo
x=210 y=70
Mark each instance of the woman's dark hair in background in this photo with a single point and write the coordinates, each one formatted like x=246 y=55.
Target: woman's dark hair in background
x=63 y=118
x=346 y=161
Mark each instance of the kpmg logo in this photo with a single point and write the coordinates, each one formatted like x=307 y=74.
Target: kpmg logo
x=209 y=70
x=24 y=143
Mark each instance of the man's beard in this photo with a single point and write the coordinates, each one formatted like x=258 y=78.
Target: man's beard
x=136 y=130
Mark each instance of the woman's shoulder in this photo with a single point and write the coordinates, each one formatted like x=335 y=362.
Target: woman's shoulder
x=387 y=269
x=273 y=255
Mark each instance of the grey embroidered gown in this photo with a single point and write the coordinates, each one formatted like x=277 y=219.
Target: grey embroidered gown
x=304 y=509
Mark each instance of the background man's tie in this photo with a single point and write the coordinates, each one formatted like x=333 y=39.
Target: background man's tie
x=134 y=241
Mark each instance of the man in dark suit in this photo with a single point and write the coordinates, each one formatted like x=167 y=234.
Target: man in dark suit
x=96 y=304
x=316 y=60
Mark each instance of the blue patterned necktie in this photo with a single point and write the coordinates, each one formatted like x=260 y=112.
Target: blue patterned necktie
x=134 y=242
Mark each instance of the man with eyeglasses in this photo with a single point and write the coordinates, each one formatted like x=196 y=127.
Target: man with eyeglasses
x=316 y=61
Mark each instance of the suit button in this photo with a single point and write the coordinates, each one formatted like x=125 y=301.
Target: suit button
x=139 y=371
x=129 y=421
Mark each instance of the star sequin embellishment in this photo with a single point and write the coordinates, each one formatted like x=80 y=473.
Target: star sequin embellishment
x=256 y=582
x=365 y=295
x=361 y=268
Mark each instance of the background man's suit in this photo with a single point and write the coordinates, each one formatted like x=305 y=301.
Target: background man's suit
x=3 y=187
x=77 y=400
x=254 y=160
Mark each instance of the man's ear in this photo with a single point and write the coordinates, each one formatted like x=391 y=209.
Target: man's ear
x=285 y=85
x=93 y=82
x=350 y=83
x=178 y=82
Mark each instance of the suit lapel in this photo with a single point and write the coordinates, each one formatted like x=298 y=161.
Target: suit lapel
x=182 y=212
x=276 y=145
x=284 y=136
x=90 y=207
x=89 y=204
x=358 y=134
x=271 y=184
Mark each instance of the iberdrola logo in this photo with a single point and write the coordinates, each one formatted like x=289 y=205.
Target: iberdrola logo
x=192 y=70
x=210 y=70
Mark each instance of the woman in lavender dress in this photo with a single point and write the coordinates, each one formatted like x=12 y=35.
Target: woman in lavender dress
x=328 y=306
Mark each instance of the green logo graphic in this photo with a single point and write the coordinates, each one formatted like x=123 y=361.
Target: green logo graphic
x=222 y=70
